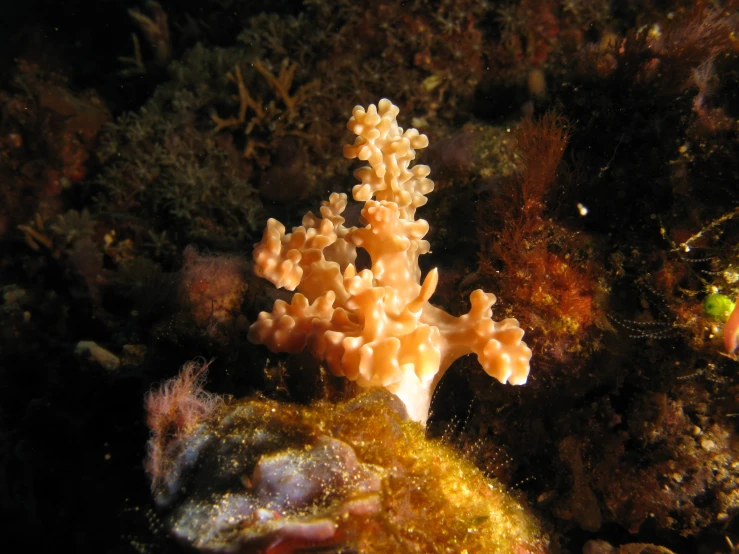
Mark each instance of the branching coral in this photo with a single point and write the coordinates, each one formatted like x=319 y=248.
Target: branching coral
x=266 y=116
x=376 y=326
x=443 y=52
x=164 y=169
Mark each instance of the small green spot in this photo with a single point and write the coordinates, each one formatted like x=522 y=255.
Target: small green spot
x=718 y=306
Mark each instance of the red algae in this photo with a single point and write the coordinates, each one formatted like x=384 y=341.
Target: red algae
x=173 y=412
x=547 y=275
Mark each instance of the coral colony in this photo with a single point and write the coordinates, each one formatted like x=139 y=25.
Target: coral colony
x=376 y=326
x=256 y=475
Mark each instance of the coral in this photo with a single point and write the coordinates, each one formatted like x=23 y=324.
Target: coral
x=376 y=325
x=164 y=169
x=443 y=46
x=271 y=123
x=73 y=225
x=258 y=475
x=613 y=434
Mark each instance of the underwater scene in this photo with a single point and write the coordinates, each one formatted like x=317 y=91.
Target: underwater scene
x=347 y=277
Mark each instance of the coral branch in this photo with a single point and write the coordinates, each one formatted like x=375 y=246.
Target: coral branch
x=376 y=326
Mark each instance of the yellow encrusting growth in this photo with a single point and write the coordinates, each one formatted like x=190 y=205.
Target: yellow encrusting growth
x=264 y=476
x=434 y=499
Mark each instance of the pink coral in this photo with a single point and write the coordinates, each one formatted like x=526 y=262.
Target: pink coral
x=376 y=326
